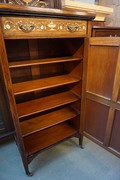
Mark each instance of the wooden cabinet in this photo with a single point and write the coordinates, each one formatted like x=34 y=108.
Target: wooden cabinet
x=6 y=125
x=101 y=107
x=58 y=82
x=42 y=67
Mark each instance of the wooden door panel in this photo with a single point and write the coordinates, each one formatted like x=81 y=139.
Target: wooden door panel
x=101 y=92
x=101 y=70
x=95 y=119
x=115 y=138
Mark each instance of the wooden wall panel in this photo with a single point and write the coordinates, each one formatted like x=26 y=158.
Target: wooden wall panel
x=100 y=75
x=115 y=138
x=96 y=115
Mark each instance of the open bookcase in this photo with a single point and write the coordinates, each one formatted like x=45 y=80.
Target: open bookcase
x=47 y=80
x=42 y=70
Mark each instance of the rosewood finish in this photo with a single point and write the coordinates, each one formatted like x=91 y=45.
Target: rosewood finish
x=58 y=82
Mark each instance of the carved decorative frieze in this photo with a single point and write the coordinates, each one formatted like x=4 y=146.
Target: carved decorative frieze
x=44 y=25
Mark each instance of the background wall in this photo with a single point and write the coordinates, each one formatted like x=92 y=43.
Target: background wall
x=114 y=19
x=85 y=1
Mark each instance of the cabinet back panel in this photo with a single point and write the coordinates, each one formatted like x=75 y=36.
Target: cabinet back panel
x=21 y=74
x=76 y=88
x=50 y=111
x=96 y=116
x=40 y=94
x=50 y=70
x=47 y=70
x=47 y=48
x=17 y=50
x=26 y=73
x=74 y=69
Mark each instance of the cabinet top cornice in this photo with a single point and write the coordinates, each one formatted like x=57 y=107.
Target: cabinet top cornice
x=13 y=10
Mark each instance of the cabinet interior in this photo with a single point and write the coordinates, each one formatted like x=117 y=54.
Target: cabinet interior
x=47 y=81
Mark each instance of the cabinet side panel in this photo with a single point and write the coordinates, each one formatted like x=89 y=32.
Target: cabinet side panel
x=101 y=70
x=10 y=96
x=6 y=125
x=96 y=115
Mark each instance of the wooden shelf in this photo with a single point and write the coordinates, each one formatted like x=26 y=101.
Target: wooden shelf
x=18 y=64
x=45 y=103
x=44 y=83
x=45 y=121
x=43 y=139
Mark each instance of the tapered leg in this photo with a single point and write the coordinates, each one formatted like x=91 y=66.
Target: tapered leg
x=28 y=172
x=24 y=160
x=27 y=169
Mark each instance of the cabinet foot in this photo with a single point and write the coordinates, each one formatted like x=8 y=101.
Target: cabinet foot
x=27 y=169
x=29 y=174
